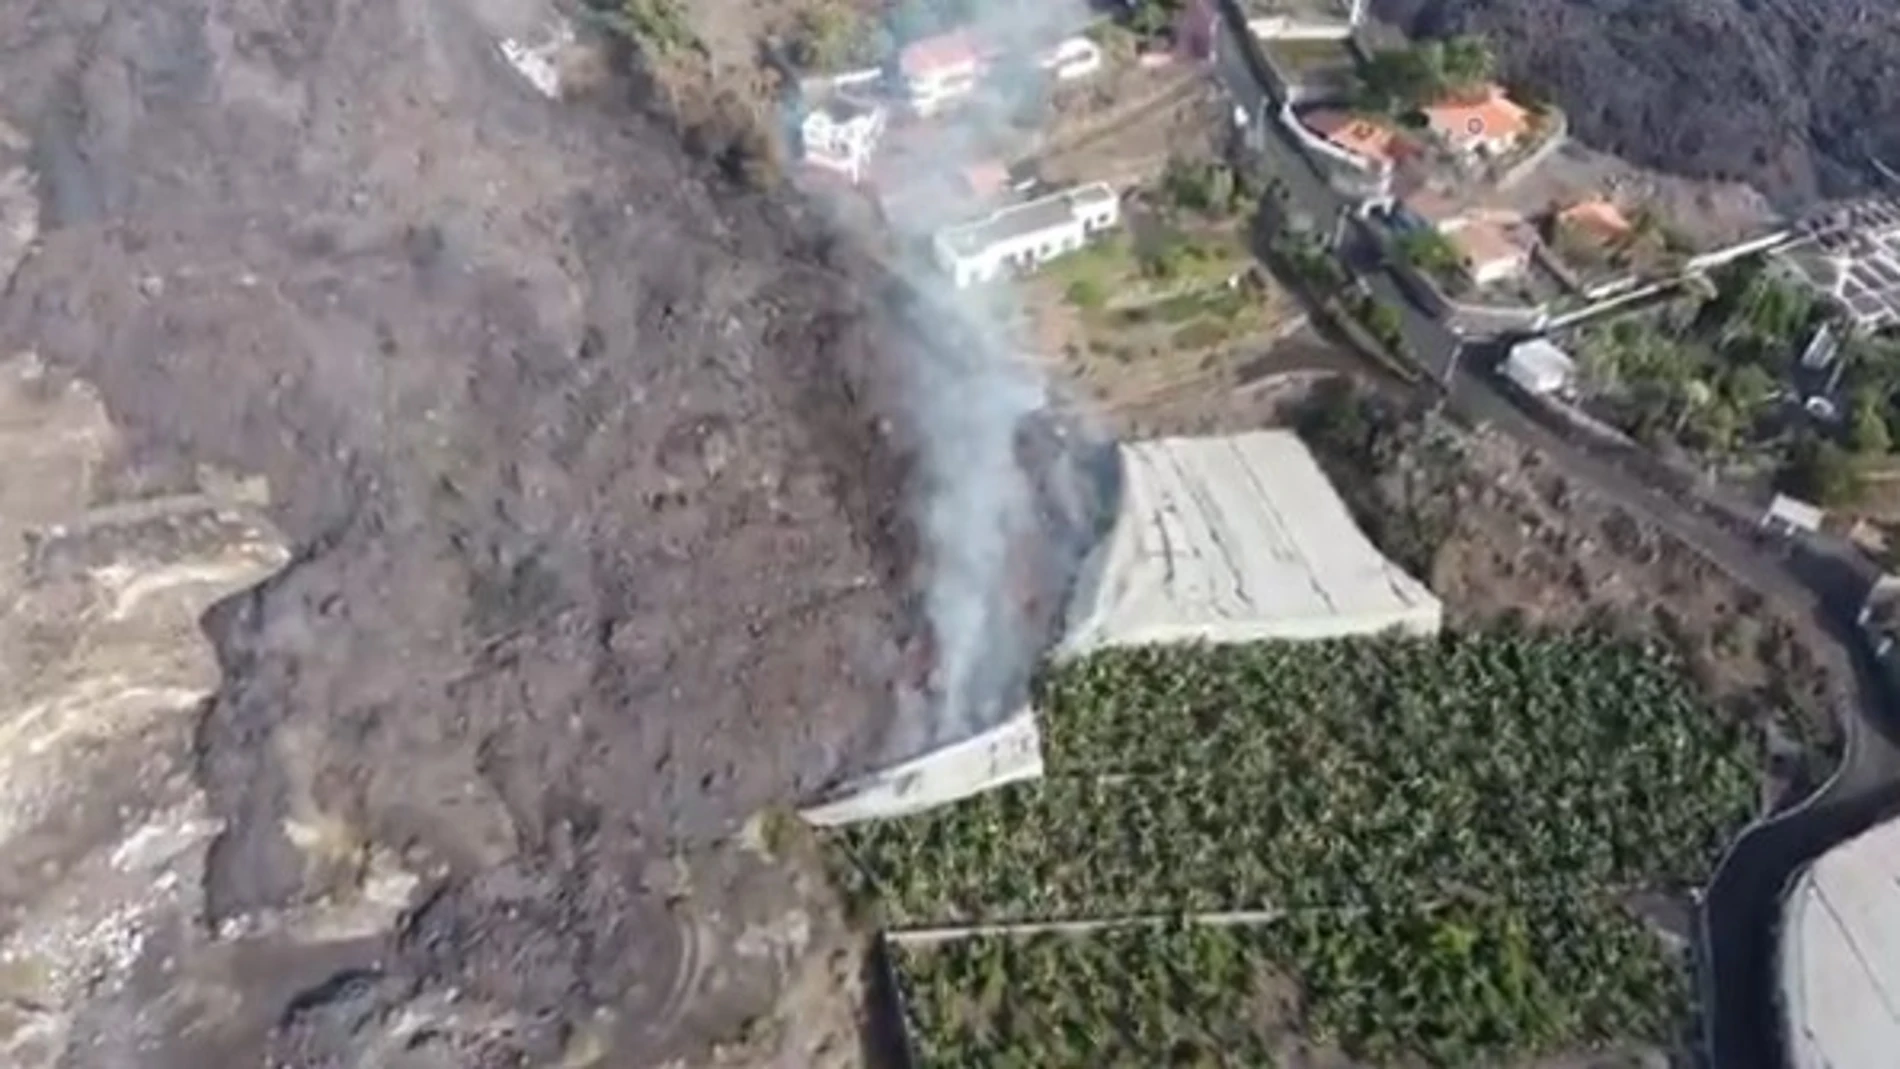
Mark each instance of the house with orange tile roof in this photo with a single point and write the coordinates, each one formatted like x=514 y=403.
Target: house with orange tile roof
x=941 y=69
x=1596 y=219
x=1485 y=122
x=1367 y=138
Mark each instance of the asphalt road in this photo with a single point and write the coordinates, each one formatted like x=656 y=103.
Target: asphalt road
x=1820 y=576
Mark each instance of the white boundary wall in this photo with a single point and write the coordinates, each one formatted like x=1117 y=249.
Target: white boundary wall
x=1226 y=540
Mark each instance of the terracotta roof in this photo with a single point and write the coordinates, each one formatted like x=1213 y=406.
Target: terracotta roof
x=1356 y=134
x=986 y=179
x=1598 y=218
x=1488 y=113
x=932 y=54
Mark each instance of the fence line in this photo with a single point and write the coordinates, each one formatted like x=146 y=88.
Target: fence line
x=933 y=935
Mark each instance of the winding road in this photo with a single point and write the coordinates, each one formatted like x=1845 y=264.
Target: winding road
x=1816 y=575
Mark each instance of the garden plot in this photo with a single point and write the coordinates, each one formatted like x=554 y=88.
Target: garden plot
x=1439 y=838
x=1174 y=297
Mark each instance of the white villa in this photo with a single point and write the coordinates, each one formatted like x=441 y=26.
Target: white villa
x=842 y=137
x=1022 y=236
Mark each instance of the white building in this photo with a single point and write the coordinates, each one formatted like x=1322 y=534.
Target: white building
x=1840 y=957
x=842 y=137
x=1493 y=248
x=1791 y=515
x=1304 y=20
x=941 y=70
x=1540 y=368
x=1074 y=57
x=1022 y=236
x=1228 y=540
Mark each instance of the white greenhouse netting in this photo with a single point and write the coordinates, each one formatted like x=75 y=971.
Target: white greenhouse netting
x=1233 y=539
x=1237 y=539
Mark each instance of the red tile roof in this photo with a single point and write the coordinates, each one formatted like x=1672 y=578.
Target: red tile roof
x=1487 y=114
x=1359 y=135
x=1598 y=218
x=986 y=179
x=933 y=54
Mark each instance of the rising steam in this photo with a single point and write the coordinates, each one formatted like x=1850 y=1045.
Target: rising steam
x=1001 y=541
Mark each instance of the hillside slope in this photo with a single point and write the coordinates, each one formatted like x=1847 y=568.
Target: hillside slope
x=592 y=482
x=1789 y=95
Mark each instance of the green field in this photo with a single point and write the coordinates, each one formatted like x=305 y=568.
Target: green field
x=1456 y=987
x=1470 y=810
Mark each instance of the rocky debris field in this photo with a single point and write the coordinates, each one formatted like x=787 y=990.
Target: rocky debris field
x=577 y=461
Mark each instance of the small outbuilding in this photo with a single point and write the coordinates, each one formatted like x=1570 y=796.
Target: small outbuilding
x=1788 y=515
x=1540 y=368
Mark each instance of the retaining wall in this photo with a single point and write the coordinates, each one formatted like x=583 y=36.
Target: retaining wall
x=1553 y=140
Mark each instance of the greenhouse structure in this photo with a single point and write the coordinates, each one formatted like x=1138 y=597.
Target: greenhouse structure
x=1219 y=539
x=1840 y=956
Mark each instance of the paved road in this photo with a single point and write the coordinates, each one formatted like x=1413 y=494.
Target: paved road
x=1819 y=576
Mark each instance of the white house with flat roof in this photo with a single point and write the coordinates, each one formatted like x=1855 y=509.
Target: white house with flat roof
x=842 y=137
x=1023 y=236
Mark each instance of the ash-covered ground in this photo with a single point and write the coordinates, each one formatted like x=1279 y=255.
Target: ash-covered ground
x=594 y=470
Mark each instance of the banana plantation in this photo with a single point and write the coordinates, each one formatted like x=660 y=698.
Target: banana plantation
x=1443 y=830
x=1461 y=986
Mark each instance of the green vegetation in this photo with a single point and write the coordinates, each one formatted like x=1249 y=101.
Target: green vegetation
x=1459 y=986
x=1307 y=263
x=1820 y=471
x=1431 y=251
x=659 y=25
x=1325 y=775
x=1380 y=320
x=1402 y=80
x=836 y=37
x=1179 y=280
x=1359 y=437
x=1180 y=258
x=1444 y=831
x=1212 y=188
x=1707 y=374
x=1153 y=19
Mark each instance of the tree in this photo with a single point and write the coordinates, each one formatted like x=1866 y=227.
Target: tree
x=1208 y=188
x=1152 y=18
x=1466 y=61
x=1383 y=323
x=836 y=37
x=1749 y=387
x=1430 y=251
x=1822 y=472
x=1400 y=79
x=1867 y=424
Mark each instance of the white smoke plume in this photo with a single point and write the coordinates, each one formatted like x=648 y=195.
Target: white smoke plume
x=971 y=390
